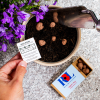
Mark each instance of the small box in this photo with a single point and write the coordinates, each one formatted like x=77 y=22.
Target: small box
x=72 y=77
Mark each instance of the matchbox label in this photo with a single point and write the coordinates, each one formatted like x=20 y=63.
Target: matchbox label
x=29 y=50
x=68 y=80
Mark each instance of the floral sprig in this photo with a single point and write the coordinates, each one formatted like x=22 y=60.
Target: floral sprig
x=55 y=2
x=40 y=13
x=12 y=14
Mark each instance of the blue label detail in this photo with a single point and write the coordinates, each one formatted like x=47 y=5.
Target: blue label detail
x=65 y=79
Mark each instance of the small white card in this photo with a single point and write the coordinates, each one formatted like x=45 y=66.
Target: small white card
x=28 y=50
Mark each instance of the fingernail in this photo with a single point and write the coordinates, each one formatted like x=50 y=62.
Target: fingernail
x=23 y=63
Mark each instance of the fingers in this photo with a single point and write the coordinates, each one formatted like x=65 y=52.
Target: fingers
x=17 y=56
x=12 y=74
x=8 y=67
x=20 y=72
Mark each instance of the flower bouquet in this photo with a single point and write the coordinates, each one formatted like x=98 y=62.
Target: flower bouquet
x=12 y=15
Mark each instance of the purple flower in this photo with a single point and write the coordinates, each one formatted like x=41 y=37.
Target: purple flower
x=29 y=2
x=36 y=0
x=2 y=28
x=38 y=15
x=12 y=41
x=2 y=34
x=21 y=27
x=44 y=9
x=11 y=10
x=21 y=5
x=19 y=33
x=6 y=18
x=19 y=19
x=16 y=7
x=3 y=47
x=11 y=24
x=22 y=16
x=19 y=30
x=0 y=43
x=1 y=2
x=55 y=2
x=8 y=35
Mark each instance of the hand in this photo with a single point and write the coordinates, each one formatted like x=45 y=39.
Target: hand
x=11 y=78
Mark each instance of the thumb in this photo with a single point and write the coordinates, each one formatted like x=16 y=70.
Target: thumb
x=20 y=71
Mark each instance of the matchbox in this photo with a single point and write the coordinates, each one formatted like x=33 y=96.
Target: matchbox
x=72 y=76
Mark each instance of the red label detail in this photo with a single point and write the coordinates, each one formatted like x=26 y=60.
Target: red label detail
x=66 y=77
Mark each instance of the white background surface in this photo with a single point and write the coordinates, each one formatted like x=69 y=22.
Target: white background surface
x=38 y=78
